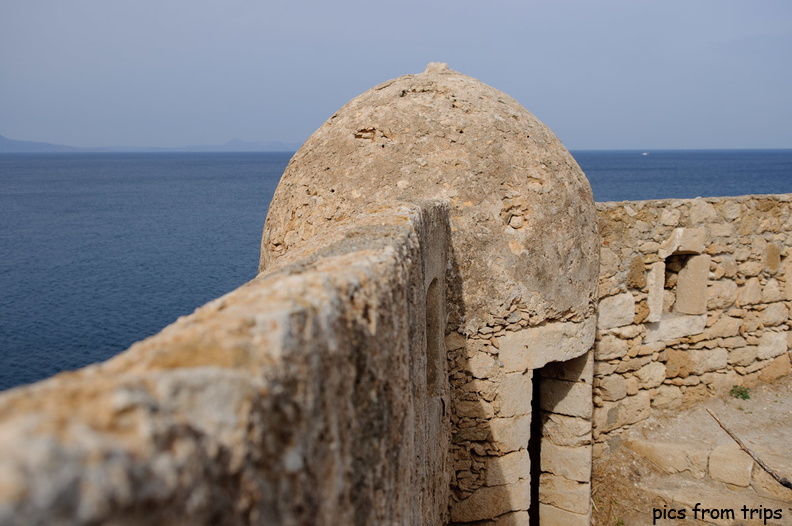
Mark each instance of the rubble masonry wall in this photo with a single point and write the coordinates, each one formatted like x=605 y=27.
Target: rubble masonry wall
x=694 y=299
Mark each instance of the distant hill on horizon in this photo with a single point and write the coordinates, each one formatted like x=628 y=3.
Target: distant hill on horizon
x=235 y=145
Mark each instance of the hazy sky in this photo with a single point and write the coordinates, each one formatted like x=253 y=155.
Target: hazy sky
x=602 y=74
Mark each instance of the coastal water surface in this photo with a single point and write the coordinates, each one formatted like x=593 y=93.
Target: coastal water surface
x=98 y=251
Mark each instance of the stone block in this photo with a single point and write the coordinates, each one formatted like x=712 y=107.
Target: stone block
x=691 y=295
x=731 y=343
x=491 y=501
x=510 y=434
x=613 y=415
x=705 y=360
x=651 y=375
x=610 y=347
x=742 y=355
x=731 y=465
x=632 y=385
x=683 y=241
x=750 y=293
x=627 y=332
x=670 y=217
x=725 y=327
x=509 y=468
x=679 y=363
x=580 y=368
x=773 y=257
x=655 y=284
x=514 y=394
x=612 y=388
x=632 y=364
x=533 y=347
x=693 y=241
x=772 y=291
x=778 y=367
x=563 y=493
x=609 y=262
x=566 y=398
x=481 y=365
x=573 y=463
x=474 y=409
x=671 y=327
x=775 y=314
x=566 y=430
x=553 y=516
x=771 y=344
x=616 y=311
x=751 y=322
x=750 y=268
x=636 y=278
x=702 y=212
x=667 y=397
x=721 y=294
x=671 y=457
x=604 y=368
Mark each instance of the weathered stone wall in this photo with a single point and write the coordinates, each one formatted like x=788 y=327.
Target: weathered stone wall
x=307 y=396
x=429 y=262
x=694 y=299
x=521 y=274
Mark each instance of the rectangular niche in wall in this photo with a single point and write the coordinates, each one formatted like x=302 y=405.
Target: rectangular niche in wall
x=677 y=286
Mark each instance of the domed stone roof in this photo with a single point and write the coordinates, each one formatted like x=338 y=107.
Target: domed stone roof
x=522 y=213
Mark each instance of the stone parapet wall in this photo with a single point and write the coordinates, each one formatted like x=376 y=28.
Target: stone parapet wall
x=313 y=395
x=694 y=300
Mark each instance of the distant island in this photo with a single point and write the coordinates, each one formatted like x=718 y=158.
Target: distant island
x=235 y=145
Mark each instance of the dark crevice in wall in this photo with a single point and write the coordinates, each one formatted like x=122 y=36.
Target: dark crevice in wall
x=535 y=446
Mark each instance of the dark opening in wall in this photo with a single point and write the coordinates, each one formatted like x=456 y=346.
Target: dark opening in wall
x=535 y=445
x=674 y=264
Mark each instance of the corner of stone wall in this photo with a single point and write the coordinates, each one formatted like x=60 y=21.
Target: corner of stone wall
x=307 y=396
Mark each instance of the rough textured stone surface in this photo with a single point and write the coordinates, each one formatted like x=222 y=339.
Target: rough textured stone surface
x=566 y=430
x=771 y=344
x=511 y=434
x=491 y=501
x=729 y=464
x=722 y=294
x=552 y=515
x=671 y=457
x=616 y=311
x=610 y=347
x=566 y=398
x=533 y=347
x=691 y=297
x=573 y=463
x=303 y=397
x=563 y=493
x=675 y=326
x=443 y=135
x=612 y=388
x=509 y=468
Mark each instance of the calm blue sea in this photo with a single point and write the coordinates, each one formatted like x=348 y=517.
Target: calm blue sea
x=98 y=250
